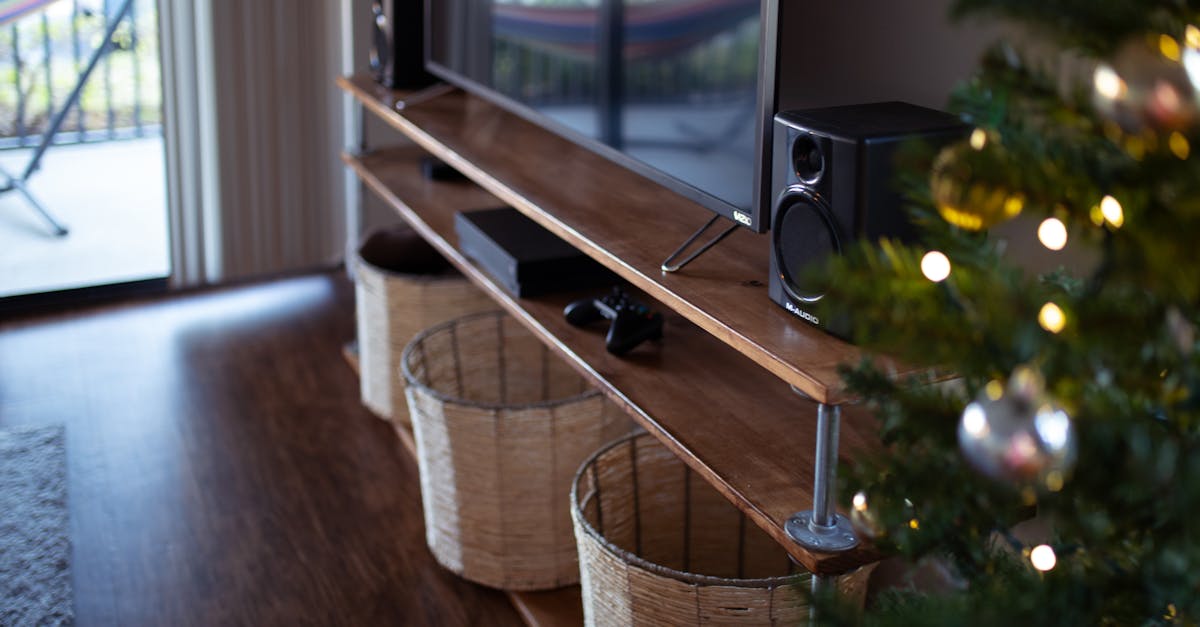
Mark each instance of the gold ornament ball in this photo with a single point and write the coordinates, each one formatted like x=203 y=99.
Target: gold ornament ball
x=969 y=205
x=1146 y=86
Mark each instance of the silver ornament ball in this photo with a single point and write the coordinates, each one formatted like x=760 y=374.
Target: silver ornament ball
x=1018 y=435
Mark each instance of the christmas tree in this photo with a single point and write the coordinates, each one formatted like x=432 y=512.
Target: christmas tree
x=1050 y=459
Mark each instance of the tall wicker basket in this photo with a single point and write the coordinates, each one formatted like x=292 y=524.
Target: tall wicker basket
x=500 y=425
x=659 y=546
x=402 y=286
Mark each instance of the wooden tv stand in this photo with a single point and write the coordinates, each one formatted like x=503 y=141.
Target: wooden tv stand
x=721 y=389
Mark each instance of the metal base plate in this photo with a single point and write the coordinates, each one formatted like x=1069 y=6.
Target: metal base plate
x=839 y=537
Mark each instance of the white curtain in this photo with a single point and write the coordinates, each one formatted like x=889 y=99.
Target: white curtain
x=254 y=125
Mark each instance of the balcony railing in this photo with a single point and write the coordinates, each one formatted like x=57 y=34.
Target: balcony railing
x=42 y=54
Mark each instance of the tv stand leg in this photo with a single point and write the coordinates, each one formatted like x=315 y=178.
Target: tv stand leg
x=670 y=265
x=423 y=95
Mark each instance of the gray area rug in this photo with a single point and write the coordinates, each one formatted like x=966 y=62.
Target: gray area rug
x=35 y=546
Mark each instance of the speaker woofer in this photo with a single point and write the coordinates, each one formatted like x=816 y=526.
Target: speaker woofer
x=805 y=235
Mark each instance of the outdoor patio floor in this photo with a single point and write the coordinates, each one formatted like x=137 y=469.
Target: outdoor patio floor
x=112 y=197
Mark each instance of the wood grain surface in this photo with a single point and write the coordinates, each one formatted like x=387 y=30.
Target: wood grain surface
x=550 y=608
x=221 y=469
x=627 y=222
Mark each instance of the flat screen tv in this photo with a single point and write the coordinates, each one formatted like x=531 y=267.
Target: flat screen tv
x=684 y=91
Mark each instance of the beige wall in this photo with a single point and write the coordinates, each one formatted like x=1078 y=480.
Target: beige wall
x=856 y=51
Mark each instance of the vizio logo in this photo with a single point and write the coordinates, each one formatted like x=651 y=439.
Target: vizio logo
x=800 y=312
x=741 y=217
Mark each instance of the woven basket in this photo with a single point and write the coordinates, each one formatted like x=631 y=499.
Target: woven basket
x=659 y=546
x=402 y=286
x=500 y=425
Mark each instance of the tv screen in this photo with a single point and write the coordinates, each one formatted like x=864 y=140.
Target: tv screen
x=668 y=87
x=685 y=91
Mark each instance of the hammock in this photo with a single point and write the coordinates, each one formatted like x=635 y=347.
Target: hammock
x=12 y=9
x=650 y=30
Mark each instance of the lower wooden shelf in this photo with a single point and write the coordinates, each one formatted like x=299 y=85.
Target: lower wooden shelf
x=549 y=608
x=740 y=428
x=545 y=608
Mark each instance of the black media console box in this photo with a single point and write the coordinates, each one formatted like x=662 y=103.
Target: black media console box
x=522 y=256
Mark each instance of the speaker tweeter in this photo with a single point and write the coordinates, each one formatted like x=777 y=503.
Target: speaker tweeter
x=808 y=160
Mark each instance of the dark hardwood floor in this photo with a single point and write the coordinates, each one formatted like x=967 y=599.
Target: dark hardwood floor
x=222 y=470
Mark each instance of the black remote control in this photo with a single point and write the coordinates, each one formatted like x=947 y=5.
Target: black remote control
x=631 y=322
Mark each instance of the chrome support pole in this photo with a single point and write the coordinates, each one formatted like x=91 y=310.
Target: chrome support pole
x=822 y=528
x=829 y=423
x=821 y=585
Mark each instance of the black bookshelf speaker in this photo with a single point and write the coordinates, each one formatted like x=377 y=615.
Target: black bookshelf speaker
x=398 y=46
x=833 y=181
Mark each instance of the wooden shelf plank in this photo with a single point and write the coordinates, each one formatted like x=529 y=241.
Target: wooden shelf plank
x=550 y=608
x=629 y=224
x=743 y=430
x=350 y=354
